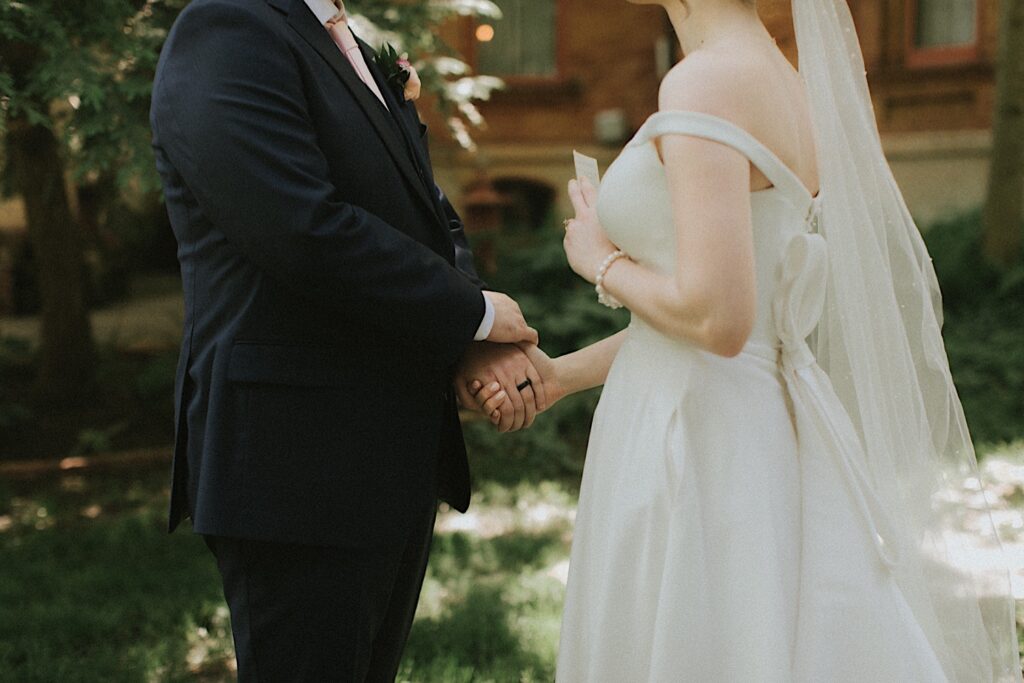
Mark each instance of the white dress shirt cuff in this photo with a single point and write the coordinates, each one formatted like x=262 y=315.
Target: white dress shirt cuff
x=487 y=323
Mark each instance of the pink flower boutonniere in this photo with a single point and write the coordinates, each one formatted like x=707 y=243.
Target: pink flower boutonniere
x=398 y=70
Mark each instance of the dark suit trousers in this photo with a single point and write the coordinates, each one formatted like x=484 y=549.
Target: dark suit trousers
x=323 y=614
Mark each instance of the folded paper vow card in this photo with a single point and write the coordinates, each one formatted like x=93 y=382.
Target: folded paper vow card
x=586 y=167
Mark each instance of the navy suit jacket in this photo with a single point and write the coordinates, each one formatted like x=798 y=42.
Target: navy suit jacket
x=328 y=288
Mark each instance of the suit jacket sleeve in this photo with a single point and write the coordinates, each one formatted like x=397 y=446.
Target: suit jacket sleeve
x=463 y=254
x=229 y=111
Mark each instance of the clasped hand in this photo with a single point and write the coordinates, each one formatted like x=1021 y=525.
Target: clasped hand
x=489 y=380
x=507 y=378
x=512 y=382
x=499 y=365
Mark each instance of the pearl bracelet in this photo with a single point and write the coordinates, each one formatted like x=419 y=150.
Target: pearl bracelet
x=603 y=296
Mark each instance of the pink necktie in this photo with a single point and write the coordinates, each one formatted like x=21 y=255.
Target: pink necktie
x=346 y=42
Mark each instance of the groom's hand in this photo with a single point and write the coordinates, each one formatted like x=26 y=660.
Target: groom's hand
x=491 y=398
x=487 y=364
x=509 y=324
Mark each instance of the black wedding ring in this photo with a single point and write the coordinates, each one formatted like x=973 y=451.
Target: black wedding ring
x=522 y=385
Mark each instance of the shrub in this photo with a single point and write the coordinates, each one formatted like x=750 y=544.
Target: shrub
x=983 y=330
x=155 y=380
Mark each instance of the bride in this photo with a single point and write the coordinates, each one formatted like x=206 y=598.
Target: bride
x=752 y=508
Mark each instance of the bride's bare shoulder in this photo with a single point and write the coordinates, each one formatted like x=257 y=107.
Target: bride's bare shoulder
x=707 y=82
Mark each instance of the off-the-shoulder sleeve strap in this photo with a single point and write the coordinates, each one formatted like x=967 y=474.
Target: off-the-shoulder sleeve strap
x=719 y=130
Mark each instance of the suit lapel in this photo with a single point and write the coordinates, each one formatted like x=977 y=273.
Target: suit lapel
x=400 y=112
x=302 y=20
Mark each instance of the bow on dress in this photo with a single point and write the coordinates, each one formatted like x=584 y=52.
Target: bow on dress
x=822 y=423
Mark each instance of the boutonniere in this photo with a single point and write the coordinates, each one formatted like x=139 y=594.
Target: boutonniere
x=400 y=73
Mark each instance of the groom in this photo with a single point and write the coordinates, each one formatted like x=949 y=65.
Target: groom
x=330 y=296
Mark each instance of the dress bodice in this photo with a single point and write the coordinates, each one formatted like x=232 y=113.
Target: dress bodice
x=635 y=208
x=705 y=473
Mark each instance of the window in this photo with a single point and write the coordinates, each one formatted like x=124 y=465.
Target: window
x=521 y=43
x=942 y=23
x=942 y=32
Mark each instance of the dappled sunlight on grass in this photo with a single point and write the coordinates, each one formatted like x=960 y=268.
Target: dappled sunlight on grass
x=99 y=592
x=523 y=508
x=1002 y=473
x=210 y=654
x=491 y=634
x=92 y=588
x=492 y=599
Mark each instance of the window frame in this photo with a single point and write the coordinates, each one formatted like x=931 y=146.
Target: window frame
x=917 y=57
x=513 y=80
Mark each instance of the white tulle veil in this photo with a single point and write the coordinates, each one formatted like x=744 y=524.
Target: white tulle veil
x=880 y=343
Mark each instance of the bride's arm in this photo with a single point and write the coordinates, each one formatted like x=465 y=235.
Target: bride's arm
x=583 y=369
x=711 y=299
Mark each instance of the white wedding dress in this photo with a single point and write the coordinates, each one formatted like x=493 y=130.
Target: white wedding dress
x=725 y=530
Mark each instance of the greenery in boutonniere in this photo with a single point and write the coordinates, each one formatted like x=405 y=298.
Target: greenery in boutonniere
x=411 y=26
x=395 y=68
x=400 y=73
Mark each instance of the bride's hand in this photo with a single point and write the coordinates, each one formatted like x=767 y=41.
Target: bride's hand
x=490 y=398
x=586 y=244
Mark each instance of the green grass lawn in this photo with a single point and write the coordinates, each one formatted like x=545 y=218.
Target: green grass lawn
x=93 y=589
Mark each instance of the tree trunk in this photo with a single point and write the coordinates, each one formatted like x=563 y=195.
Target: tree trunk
x=66 y=353
x=1004 y=207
